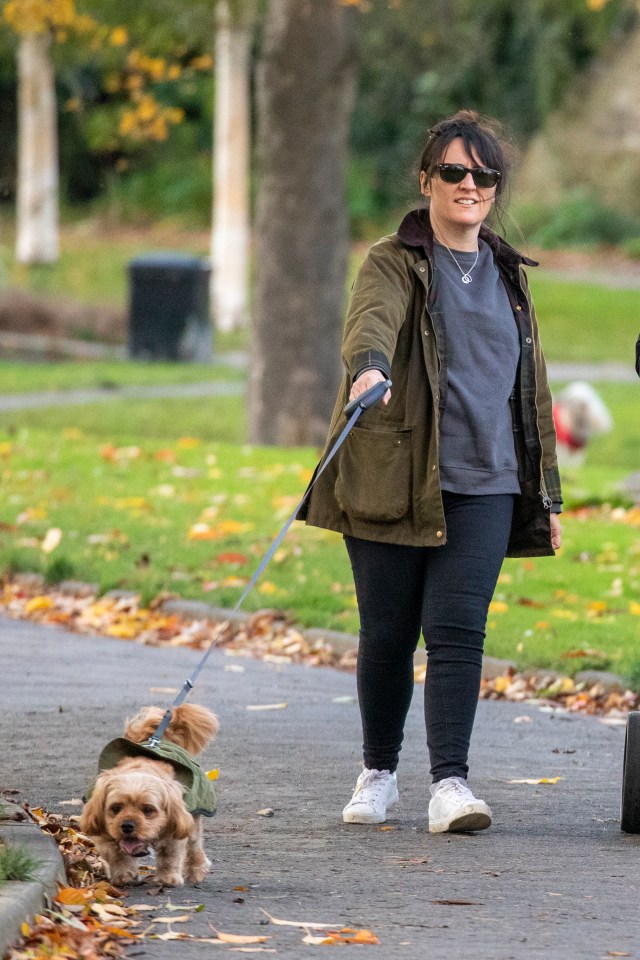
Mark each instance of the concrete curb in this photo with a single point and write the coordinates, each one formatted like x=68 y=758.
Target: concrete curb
x=20 y=901
x=342 y=643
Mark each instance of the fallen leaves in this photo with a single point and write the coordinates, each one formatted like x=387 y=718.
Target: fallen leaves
x=343 y=936
x=266 y=634
x=266 y=706
x=541 y=689
x=91 y=919
x=534 y=782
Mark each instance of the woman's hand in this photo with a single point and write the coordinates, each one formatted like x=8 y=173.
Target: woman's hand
x=556 y=531
x=367 y=380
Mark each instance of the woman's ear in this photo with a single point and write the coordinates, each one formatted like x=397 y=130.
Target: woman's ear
x=424 y=184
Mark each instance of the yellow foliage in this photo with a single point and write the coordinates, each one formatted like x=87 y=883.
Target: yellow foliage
x=119 y=37
x=42 y=16
x=205 y=62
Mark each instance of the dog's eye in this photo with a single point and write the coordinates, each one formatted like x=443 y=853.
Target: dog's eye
x=148 y=811
x=115 y=808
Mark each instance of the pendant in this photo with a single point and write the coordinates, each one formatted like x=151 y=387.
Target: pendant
x=466 y=278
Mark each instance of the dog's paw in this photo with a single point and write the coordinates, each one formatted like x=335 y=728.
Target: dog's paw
x=169 y=879
x=124 y=878
x=197 y=869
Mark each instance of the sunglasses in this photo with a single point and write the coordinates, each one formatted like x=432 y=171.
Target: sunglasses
x=456 y=172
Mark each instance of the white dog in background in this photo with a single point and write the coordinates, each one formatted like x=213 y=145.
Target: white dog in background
x=578 y=414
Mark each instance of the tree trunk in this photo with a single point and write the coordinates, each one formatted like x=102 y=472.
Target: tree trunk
x=37 y=189
x=305 y=95
x=230 y=237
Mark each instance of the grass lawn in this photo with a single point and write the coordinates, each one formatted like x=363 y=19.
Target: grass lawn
x=579 y=321
x=164 y=496
x=585 y=322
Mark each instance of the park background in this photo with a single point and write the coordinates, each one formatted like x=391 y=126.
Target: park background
x=317 y=112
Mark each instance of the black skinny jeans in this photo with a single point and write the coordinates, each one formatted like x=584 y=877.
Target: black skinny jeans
x=445 y=591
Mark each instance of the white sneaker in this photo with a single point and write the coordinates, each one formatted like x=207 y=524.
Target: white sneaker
x=375 y=791
x=454 y=808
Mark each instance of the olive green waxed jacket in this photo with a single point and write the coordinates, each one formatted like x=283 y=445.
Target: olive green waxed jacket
x=384 y=482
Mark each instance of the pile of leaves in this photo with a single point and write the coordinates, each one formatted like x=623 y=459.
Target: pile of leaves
x=550 y=690
x=268 y=635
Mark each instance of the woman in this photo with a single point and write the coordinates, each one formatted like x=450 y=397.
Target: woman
x=453 y=472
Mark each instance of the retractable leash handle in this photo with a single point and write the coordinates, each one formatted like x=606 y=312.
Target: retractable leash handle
x=369 y=398
x=352 y=412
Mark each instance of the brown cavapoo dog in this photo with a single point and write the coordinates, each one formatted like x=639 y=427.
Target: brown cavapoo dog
x=153 y=795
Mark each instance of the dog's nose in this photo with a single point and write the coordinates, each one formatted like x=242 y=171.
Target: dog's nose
x=127 y=827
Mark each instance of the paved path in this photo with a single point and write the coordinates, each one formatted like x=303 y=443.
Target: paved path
x=217 y=388
x=68 y=398
x=554 y=878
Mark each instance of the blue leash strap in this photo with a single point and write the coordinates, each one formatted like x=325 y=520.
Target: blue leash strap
x=352 y=411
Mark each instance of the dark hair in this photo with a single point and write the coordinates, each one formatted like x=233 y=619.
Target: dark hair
x=480 y=135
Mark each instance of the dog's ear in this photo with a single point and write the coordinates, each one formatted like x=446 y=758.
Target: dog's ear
x=180 y=823
x=192 y=727
x=144 y=724
x=92 y=820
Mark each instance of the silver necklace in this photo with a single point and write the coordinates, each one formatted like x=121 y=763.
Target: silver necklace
x=466 y=275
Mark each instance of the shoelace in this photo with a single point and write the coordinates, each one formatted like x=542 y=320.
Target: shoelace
x=460 y=789
x=373 y=781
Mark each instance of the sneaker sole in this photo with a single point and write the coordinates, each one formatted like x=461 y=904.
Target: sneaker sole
x=466 y=823
x=353 y=817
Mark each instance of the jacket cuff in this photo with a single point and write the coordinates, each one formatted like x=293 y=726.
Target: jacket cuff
x=369 y=360
x=552 y=483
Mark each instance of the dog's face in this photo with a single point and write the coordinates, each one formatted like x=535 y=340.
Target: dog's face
x=135 y=805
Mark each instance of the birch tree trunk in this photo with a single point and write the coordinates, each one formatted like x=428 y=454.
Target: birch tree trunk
x=37 y=188
x=305 y=94
x=230 y=236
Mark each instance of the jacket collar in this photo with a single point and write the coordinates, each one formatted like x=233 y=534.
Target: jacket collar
x=415 y=231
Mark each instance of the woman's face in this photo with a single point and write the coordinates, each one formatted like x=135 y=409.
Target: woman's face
x=458 y=205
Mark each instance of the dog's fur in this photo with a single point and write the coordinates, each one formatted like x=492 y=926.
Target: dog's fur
x=578 y=414
x=139 y=804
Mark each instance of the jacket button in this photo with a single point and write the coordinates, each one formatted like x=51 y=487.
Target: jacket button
x=426 y=333
x=421 y=269
x=433 y=467
x=439 y=534
x=528 y=340
x=518 y=307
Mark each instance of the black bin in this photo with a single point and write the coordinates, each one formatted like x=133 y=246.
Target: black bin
x=169 y=308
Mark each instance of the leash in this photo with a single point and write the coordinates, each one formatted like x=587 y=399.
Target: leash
x=352 y=412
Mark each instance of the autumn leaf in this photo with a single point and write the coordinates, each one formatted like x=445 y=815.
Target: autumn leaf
x=240 y=559
x=540 y=780
x=38 y=603
x=52 y=540
x=498 y=606
x=266 y=706
x=303 y=924
x=238 y=938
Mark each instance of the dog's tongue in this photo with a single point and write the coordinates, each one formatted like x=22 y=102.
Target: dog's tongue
x=135 y=848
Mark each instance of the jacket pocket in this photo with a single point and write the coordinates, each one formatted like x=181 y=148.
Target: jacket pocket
x=374 y=476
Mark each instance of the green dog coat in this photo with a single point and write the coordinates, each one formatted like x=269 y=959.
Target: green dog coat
x=199 y=795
